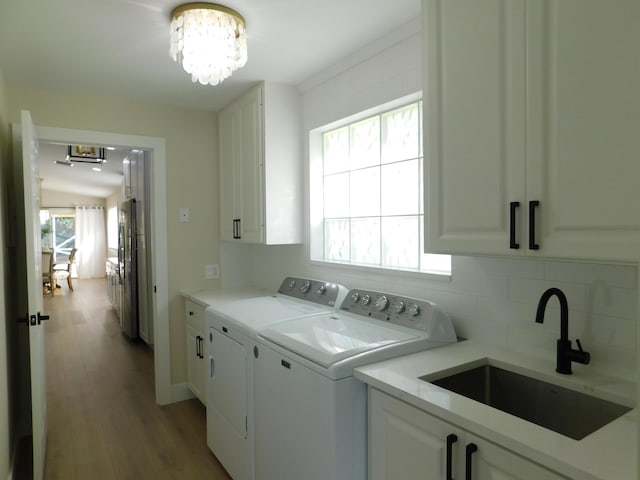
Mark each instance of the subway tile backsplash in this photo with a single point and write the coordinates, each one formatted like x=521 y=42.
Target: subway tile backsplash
x=494 y=300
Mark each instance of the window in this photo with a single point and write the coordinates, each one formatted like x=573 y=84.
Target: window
x=367 y=193
x=58 y=232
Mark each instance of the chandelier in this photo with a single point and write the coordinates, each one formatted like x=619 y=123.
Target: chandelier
x=209 y=40
x=83 y=154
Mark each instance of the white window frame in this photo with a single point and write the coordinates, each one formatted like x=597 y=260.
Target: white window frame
x=316 y=193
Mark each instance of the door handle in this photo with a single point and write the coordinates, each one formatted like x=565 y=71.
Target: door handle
x=471 y=449
x=512 y=225
x=198 y=346
x=42 y=317
x=451 y=439
x=533 y=204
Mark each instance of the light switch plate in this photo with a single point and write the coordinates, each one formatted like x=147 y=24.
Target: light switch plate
x=184 y=215
x=212 y=271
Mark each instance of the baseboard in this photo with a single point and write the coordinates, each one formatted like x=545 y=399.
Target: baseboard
x=180 y=392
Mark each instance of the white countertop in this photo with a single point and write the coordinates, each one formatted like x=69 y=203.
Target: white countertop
x=209 y=297
x=606 y=454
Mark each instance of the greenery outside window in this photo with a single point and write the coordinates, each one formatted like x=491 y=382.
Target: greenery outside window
x=58 y=231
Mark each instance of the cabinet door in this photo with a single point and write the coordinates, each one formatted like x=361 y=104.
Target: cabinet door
x=195 y=372
x=582 y=127
x=228 y=141
x=407 y=443
x=241 y=169
x=474 y=112
x=491 y=462
x=251 y=168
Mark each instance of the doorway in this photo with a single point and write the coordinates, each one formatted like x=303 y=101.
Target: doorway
x=158 y=230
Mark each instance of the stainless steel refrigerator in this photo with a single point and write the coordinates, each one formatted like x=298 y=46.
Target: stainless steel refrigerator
x=128 y=275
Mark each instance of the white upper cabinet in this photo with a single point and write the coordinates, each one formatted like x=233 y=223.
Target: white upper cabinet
x=530 y=122
x=261 y=167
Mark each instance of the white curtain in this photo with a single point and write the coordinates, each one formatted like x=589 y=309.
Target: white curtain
x=91 y=242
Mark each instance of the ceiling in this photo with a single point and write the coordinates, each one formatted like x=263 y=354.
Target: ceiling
x=119 y=48
x=80 y=179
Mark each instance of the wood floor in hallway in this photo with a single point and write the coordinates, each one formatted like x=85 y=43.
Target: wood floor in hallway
x=103 y=421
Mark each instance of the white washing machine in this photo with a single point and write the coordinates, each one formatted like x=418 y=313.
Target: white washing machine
x=310 y=412
x=233 y=328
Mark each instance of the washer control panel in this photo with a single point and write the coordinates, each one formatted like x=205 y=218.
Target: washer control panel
x=316 y=291
x=399 y=310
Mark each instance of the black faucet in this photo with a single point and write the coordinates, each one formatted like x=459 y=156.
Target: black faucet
x=565 y=354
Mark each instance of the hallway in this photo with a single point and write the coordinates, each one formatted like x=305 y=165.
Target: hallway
x=102 y=418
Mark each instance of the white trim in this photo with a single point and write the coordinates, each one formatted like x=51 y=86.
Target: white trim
x=159 y=251
x=180 y=392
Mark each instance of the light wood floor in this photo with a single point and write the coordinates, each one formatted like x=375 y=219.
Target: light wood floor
x=103 y=421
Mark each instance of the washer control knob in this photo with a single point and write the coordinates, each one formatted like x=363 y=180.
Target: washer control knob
x=355 y=296
x=321 y=290
x=399 y=307
x=292 y=283
x=414 y=310
x=305 y=286
x=365 y=300
x=382 y=302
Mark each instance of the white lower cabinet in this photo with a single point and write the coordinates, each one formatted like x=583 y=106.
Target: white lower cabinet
x=408 y=443
x=196 y=350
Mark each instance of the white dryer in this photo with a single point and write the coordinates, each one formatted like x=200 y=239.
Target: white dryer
x=233 y=328
x=310 y=412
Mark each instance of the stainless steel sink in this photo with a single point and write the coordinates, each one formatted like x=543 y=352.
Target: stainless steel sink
x=560 y=409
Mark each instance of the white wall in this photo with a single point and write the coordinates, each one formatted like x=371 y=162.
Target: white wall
x=54 y=199
x=491 y=299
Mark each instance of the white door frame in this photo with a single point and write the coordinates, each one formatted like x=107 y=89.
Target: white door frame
x=159 y=254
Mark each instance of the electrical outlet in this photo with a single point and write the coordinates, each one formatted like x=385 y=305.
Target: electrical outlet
x=211 y=271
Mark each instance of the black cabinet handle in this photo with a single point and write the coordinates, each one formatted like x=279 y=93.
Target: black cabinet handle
x=236 y=228
x=471 y=449
x=512 y=225
x=533 y=204
x=451 y=439
x=198 y=346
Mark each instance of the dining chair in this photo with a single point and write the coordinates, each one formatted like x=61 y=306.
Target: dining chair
x=48 y=280
x=63 y=270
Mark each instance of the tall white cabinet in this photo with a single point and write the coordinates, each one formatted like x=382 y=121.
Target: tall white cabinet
x=531 y=119
x=261 y=167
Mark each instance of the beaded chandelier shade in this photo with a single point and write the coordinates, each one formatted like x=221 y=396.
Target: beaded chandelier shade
x=208 y=40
